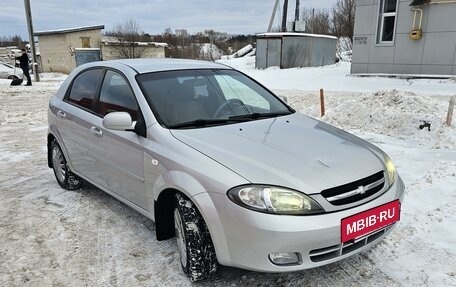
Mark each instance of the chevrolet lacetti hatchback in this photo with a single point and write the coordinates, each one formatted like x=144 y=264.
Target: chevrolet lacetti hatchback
x=221 y=163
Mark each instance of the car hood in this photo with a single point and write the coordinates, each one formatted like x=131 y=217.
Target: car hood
x=293 y=151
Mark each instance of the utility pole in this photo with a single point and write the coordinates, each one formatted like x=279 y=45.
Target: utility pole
x=284 y=16
x=276 y=5
x=297 y=11
x=296 y=16
x=28 y=15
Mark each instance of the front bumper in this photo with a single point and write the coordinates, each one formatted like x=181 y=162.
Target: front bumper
x=244 y=238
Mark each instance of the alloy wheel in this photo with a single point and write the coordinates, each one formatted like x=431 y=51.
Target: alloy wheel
x=59 y=164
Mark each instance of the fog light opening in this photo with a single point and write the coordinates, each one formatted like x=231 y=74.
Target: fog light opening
x=284 y=258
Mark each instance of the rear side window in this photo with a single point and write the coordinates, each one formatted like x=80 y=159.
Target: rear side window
x=116 y=96
x=84 y=88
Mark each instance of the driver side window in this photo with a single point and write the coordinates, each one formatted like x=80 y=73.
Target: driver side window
x=116 y=96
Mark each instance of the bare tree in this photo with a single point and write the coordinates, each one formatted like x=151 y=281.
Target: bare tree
x=129 y=36
x=318 y=21
x=206 y=45
x=11 y=41
x=343 y=19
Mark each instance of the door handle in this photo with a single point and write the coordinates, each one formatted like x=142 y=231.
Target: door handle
x=96 y=131
x=61 y=114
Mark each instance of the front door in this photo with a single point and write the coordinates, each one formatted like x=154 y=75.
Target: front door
x=119 y=155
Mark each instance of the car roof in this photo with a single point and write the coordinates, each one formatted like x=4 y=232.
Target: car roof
x=166 y=64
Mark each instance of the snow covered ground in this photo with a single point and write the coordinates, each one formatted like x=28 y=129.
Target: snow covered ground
x=53 y=237
x=334 y=78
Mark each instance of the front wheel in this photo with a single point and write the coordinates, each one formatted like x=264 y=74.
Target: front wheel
x=196 y=250
x=63 y=174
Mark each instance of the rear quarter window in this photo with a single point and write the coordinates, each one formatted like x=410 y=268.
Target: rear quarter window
x=84 y=88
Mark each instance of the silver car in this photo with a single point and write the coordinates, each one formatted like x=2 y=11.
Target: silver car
x=222 y=164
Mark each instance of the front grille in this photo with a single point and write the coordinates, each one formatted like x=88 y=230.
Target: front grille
x=334 y=251
x=355 y=191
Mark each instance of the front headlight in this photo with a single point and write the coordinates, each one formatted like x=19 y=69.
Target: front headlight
x=275 y=200
x=390 y=170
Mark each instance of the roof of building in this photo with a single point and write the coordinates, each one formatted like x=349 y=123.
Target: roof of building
x=69 y=30
x=115 y=41
x=419 y=2
x=292 y=34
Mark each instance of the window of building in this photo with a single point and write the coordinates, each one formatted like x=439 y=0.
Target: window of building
x=85 y=42
x=388 y=9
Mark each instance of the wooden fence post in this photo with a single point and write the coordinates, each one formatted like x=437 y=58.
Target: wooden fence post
x=450 y=111
x=322 y=102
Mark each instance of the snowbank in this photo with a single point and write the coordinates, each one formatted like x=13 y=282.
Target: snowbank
x=403 y=115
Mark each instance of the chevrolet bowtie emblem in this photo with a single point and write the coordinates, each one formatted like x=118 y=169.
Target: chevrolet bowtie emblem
x=361 y=190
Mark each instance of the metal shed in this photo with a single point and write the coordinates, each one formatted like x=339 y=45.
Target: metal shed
x=289 y=50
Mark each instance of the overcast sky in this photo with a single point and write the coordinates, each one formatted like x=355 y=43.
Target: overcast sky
x=154 y=16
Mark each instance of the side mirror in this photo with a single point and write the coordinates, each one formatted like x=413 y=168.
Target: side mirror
x=119 y=121
x=283 y=98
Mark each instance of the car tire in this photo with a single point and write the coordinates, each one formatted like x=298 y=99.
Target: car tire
x=196 y=250
x=12 y=77
x=62 y=172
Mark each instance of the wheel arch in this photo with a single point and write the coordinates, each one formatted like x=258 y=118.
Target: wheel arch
x=195 y=191
x=164 y=220
x=54 y=135
x=168 y=184
x=50 y=139
x=163 y=214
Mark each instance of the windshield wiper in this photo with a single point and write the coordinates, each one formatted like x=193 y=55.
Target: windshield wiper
x=255 y=116
x=203 y=123
x=233 y=119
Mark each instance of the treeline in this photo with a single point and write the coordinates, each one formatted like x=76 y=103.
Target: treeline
x=182 y=44
x=207 y=45
x=6 y=41
x=338 y=21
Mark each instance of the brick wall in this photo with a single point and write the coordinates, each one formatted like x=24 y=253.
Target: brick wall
x=55 y=49
x=109 y=52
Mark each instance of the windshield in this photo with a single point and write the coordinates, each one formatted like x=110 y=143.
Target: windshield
x=198 y=98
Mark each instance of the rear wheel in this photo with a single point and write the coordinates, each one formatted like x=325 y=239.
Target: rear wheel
x=63 y=174
x=197 y=253
x=12 y=77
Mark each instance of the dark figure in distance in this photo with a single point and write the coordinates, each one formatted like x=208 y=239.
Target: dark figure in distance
x=24 y=64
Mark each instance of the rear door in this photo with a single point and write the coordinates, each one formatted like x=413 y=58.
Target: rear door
x=74 y=118
x=118 y=154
